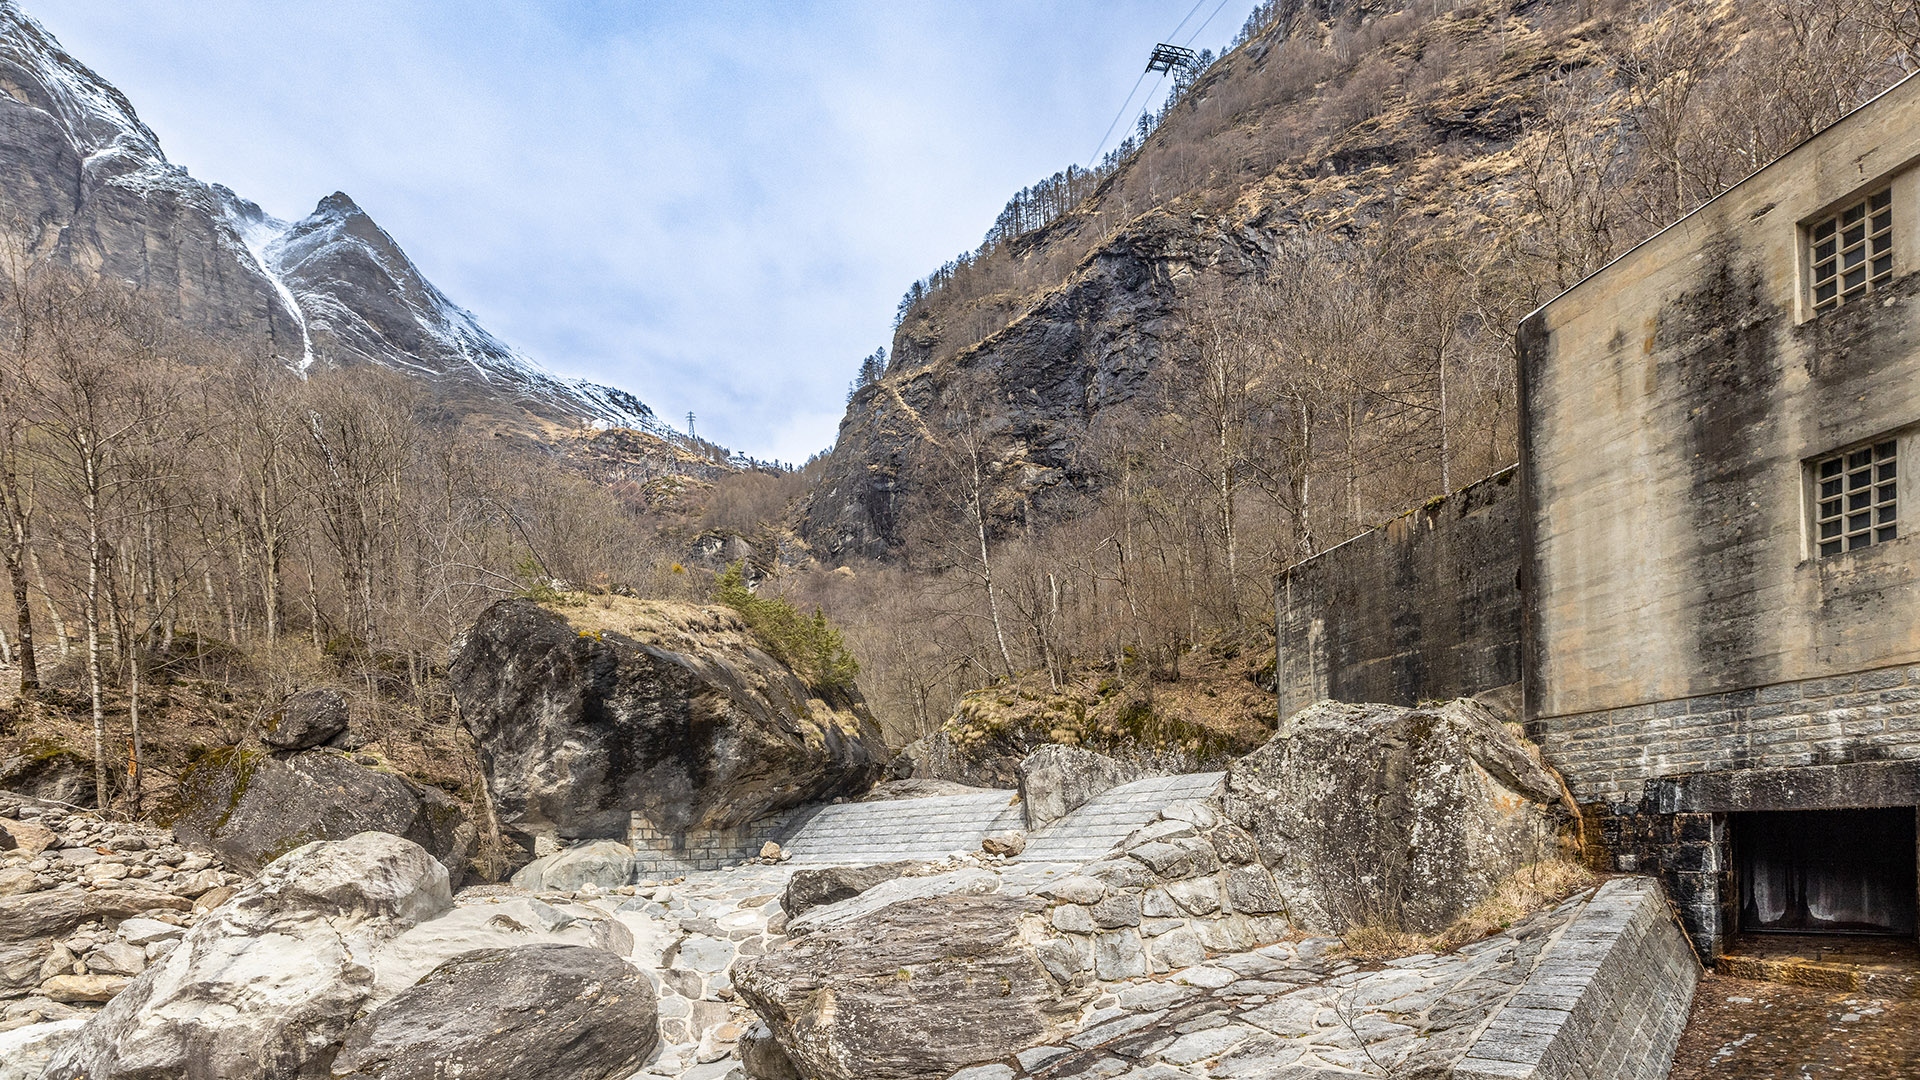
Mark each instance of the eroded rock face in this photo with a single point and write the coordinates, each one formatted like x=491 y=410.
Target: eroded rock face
x=264 y=987
x=509 y=924
x=1393 y=816
x=671 y=711
x=510 y=1014
x=916 y=990
x=252 y=808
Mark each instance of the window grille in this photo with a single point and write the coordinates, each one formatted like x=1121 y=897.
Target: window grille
x=1852 y=251
x=1855 y=506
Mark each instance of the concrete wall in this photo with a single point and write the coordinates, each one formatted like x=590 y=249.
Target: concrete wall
x=1670 y=404
x=1607 y=1002
x=1426 y=606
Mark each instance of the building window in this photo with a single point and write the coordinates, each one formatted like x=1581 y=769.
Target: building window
x=1854 y=507
x=1852 y=251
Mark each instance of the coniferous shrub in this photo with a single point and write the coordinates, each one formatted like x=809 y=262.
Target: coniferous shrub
x=811 y=645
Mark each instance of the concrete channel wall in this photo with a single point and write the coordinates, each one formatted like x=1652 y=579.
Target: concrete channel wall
x=1608 y=1001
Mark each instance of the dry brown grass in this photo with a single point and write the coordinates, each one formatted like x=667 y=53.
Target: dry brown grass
x=1529 y=889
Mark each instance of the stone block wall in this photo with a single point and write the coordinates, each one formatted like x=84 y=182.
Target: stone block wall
x=1424 y=607
x=1607 y=1002
x=1608 y=757
x=656 y=851
x=1655 y=783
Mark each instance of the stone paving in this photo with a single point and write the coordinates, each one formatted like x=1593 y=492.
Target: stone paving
x=1109 y=817
x=1296 y=1009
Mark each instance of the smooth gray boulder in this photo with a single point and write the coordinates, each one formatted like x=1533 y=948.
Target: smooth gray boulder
x=672 y=711
x=1057 y=780
x=1394 y=817
x=603 y=864
x=306 y=719
x=252 y=808
x=510 y=1014
x=263 y=987
x=810 y=888
x=914 y=991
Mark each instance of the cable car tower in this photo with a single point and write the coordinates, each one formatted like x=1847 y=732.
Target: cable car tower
x=1181 y=63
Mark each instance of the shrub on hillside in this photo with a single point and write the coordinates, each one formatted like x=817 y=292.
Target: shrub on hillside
x=810 y=645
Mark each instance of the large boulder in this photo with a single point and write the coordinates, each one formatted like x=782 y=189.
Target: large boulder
x=915 y=990
x=509 y=1014
x=1057 y=780
x=306 y=719
x=45 y=768
x=675 y=712
x=815 y=886
x=1388 y=816
x=265 y=986
x=603 y=864
x=252 y=808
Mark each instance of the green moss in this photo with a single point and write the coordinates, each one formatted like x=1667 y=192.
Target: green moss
x=218 y=777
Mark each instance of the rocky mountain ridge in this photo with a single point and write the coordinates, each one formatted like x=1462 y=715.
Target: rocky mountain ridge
x=87 y=184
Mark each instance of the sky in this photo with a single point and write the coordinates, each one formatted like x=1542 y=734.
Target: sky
x=714 y=205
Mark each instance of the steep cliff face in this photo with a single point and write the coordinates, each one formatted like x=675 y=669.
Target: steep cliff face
x=1423 y=124
x=1030 y=391
x=84 y=182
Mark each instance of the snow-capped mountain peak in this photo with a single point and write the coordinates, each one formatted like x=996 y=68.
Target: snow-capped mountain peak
x=332 y=289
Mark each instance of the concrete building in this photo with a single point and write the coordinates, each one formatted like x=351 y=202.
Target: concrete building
x=1718 y=611
x=1721 y=644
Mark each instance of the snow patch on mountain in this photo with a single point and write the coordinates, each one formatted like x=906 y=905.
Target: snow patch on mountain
x=258 y=230
x=351 y=292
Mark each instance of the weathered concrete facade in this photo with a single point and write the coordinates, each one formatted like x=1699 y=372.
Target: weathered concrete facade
x=1685 y=630
x=1424 y=607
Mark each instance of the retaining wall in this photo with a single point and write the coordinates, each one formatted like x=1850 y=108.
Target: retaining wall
x=1607 y=1002
x=1426 y=606
x=853 y=833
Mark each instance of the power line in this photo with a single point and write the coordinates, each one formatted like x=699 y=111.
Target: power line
x=1095 y=159
x=1183 y=22
x=1202 y=26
